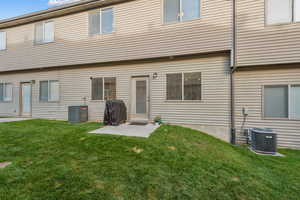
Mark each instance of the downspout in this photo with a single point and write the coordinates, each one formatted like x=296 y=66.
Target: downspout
x=232 y=70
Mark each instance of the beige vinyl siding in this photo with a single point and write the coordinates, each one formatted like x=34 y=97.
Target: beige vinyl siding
x=139 y=33
x=248 y=91
x=262 y=44
x=75 y=84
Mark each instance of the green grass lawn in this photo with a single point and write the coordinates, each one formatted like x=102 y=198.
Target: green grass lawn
x=54 y=160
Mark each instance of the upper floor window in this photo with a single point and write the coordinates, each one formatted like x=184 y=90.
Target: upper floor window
x=101 y=22
x=2 y=41
x=181 y=10
x=282 y=11
x=6 y=91
x=44 y=32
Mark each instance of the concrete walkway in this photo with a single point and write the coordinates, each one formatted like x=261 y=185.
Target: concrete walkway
x=128 y=130
x=12 y=119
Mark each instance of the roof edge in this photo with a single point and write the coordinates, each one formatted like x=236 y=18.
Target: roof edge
x=58 y=11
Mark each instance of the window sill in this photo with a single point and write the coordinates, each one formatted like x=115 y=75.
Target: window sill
x=97 y=101
x=281 y=24
x=101 y=34
x=183 y=101
x=280 y=119
x=49 y=101
x=42 y=43
x=11 y=101
x=180 y=22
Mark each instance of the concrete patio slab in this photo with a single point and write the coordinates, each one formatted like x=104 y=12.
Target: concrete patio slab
x=12 y=119
x=128 y=130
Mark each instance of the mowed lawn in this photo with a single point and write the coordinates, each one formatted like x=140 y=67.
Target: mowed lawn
x=54 y=160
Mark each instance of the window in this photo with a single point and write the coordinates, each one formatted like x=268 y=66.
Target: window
x=2 y=41
x=184 y=86
x=104 y=87
x=6 y=91
x=181 y=10
x=282 y=11
x=49 y=91
x=295 y=102
x=44 y=32
x=282 y=101
x=101 y=22
x=276 y=101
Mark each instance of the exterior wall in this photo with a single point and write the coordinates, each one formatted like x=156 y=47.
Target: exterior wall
x=248 y=93
x=261 y=44
x=75 y=84
x=139 y=33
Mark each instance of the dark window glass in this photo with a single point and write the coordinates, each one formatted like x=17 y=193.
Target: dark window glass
x=44 y=91
x=276 y=101
x=192 y=86
x=174 y=86
x=97 y=89
x=110 y=88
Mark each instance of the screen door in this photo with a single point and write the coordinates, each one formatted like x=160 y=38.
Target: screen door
x=140 y=98
x=26 y=99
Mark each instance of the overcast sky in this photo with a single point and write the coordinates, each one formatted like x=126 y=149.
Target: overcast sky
x=12 y=8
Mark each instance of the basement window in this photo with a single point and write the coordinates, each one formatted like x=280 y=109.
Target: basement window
x=184 y=86
x=6 y=92
x=104 y=88
x=49 y=91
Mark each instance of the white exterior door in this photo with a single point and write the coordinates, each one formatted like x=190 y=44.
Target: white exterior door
x=140 y=99
x=26 y=99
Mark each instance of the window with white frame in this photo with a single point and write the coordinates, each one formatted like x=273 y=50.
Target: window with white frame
x=2 y=40
x=49 y=91
x=184 y=86
x=6 y=92
x=104 y=88
x=282 y=101
x=101 y=22
x=181 y=10
x=44 y=32
x=282 y=11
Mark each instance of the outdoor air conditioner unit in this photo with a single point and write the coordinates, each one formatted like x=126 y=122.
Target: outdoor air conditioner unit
x=78 y=114
x=263 y=140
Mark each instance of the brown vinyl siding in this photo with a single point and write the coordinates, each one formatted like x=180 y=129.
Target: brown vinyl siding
x=262 y=44
x=139 y=33
x=249 y=93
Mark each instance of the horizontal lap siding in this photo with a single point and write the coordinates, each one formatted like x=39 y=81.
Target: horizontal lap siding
x=139 y=33
x=260 y=44
x=248 y=93
x=76 y=84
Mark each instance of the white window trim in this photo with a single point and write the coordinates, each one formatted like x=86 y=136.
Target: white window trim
x=180 y=13
x=289 y=102
x=113 y=24
x=44 y=42
x=182 y=84
x=4 y=92
x=272 y=24
x=103 y=89
x=5 y=47
x=49 y=101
